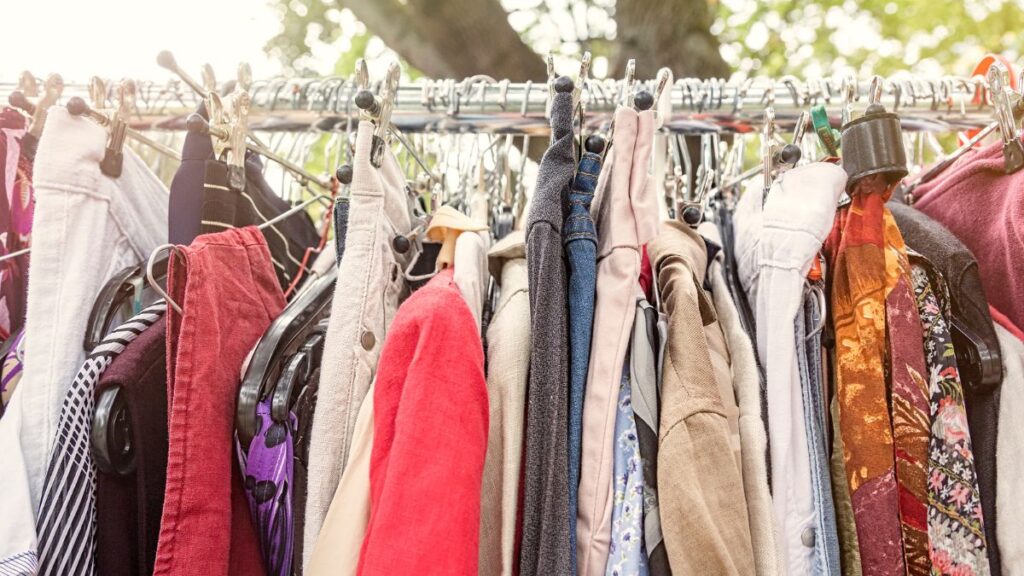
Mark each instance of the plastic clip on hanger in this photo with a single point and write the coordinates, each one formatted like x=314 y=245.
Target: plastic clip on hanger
x=873 y=144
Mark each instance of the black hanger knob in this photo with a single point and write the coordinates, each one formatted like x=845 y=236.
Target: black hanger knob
x=18 y=100
x=166 y=60
x=643 y=100
x=564 y=84
x=692 y=215
x=873 y=109
x=401 y=244
x=594 y=144
x=77 y=106
x=790 y=154
x=344 y=174
x=196 y=124
x=365 y=100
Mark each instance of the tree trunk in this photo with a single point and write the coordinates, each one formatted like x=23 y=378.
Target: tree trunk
x=667 y=33
x=452 y=38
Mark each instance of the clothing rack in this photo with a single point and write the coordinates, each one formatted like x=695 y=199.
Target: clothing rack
x=482 y=104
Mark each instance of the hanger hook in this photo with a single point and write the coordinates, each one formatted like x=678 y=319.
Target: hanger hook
x=151 y=278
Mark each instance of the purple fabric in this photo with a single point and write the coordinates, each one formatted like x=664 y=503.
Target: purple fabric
x=268 y=467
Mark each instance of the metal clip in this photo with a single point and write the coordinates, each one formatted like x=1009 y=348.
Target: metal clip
x=52 y=89
x=1007 y=105
x=113 y=156
x=239 y=126
x=628 y=83
x=550 y=61
x=768 y=147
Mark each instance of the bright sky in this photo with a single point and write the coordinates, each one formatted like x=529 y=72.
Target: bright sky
x=121 y=38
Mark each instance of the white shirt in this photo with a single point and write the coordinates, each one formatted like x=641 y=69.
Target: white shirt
x=86 y=227
x=775 y=245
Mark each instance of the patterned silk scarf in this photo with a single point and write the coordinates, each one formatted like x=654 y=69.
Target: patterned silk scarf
x=955 y=524
x=908 y=387
x=857 y=260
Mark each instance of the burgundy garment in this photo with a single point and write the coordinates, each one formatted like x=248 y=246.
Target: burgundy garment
x=16 y=206
x=128 y=507
x=430 y=418
x=984 y=207
x=227 y=288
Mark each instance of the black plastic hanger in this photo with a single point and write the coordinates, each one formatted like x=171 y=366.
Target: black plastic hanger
x=285 y=335
x=297 y=372
x=117 y=293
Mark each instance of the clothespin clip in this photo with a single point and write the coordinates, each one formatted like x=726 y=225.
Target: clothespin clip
x=1008 y=109
x=113 y=156
x=692 y=209
x=549 y=60
x=628 y=83
x=767 y=148
x=209 y=79
x=663 y=104
x=240 y=105
x=828 y=136
x=379 y=108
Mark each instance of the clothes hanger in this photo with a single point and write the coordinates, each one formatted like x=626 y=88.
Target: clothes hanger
x=166 y=60
x=117 y=126
x=285 y=335
x=122 y=293
x=297 y=371
x=111 y=435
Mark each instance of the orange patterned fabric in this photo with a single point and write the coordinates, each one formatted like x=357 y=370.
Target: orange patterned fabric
x=859 y=281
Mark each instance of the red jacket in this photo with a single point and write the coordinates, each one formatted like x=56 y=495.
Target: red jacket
x=429 y=439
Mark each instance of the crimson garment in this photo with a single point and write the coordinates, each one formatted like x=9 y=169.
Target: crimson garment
x=981 y=205
x=229 y=293
x=430 y=419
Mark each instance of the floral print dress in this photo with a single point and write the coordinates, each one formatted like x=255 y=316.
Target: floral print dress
x=627 y=556
x=955 y=524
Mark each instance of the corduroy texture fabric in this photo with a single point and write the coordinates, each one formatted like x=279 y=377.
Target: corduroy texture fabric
x=969 y=306
x=753 y=439
x=704 y=516
x=956 y=533
x=128 y=508
x=508 y=364
x=429 y=439
x=369 y=288
x=627 y=219
x=206 y=527
x=545 y=510
x=857 y=259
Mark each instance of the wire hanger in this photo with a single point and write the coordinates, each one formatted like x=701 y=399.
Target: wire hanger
x=166 y=60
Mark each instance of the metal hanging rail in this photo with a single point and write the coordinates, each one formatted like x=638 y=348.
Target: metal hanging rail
x=482 y=104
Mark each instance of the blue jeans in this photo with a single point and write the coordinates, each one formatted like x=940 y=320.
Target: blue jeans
x=825 y=540
x=580 y=238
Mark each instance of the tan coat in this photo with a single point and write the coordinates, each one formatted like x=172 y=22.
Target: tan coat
x=703 y=508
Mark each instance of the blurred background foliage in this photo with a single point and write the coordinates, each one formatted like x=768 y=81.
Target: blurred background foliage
x=703 y=38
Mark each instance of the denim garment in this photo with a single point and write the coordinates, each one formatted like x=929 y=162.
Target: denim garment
x=823 y=537
x=580 y=237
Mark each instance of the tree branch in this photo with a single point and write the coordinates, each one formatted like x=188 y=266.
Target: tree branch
x=451 y=38
x=672 y=33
